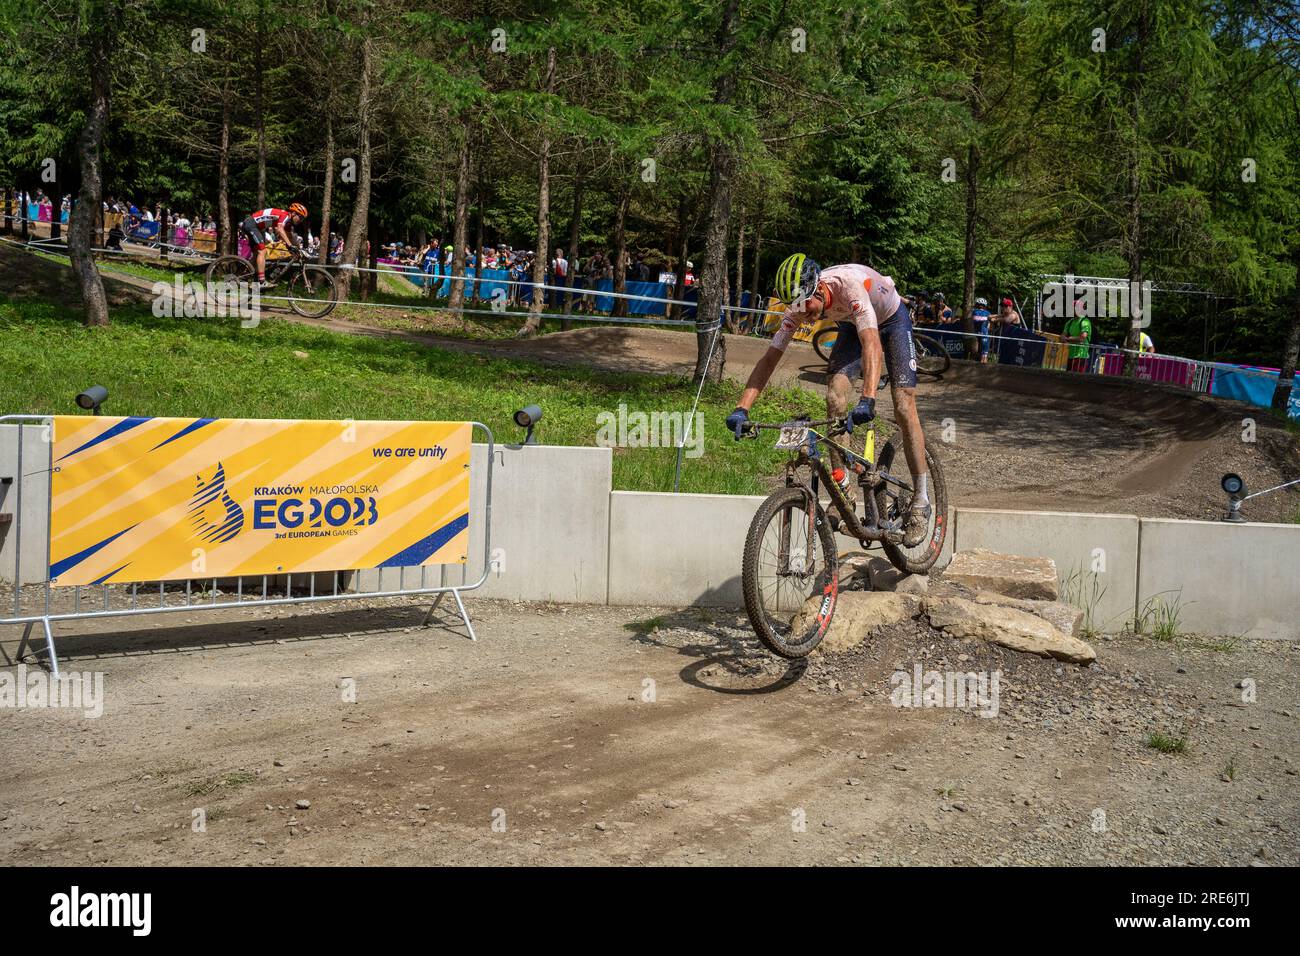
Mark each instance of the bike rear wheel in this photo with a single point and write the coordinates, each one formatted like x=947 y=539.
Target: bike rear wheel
x=931 y=357
x=312 y=292
x=894 y=503
x=823 y=341
x=230 y=269
x=788 y=559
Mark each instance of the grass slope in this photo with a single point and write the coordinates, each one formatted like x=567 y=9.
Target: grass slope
x=180 y=367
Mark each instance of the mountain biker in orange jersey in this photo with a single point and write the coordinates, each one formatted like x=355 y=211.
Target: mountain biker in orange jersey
x=274 y=222
x=874 y=328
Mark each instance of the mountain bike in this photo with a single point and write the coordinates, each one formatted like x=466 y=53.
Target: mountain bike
x=931 y=357
x=312 y=292
x=790 y=553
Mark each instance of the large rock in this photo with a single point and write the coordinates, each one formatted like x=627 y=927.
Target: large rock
x=886 y=577
x=856 y=613
x=1011 y=574
x=855 y=570
x=1066 y=618
x=1007 y=626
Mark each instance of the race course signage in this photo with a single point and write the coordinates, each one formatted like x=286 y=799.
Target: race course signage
x=158 y=499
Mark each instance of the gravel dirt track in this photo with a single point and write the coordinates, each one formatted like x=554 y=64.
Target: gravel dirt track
x=544 y=725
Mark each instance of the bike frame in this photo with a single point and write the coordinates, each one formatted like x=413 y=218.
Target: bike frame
x=810 y=456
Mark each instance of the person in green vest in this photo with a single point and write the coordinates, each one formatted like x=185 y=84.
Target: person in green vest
x=1078 y=333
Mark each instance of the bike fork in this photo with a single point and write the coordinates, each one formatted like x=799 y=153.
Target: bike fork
x=783 y=544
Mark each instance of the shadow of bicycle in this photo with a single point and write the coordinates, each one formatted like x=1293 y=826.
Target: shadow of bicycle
x=726 y=657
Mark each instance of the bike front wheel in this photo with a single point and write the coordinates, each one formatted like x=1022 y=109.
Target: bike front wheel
x=312 y=292
x=790 y=559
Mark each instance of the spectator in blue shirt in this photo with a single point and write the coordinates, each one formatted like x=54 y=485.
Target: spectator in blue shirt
x=981 y=317
x=518 y=273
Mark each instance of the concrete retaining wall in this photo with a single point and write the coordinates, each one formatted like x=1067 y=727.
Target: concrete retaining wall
x=1101 y=548
x=559 y=533
x=1240 y=580
x=677 y=549
x=550 y=527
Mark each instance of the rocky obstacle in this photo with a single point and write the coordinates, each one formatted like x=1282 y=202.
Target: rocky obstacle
x=1011 y=575
x=1008 y=626
x=1066 y=618
x=1005 y=599
x=857 y=613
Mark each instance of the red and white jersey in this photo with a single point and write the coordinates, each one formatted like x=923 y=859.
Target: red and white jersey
x=264 y=217
x=854 y=293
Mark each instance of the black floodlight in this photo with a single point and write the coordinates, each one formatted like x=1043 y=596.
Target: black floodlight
x=92 y=398
x=528 y=417
x=1234 y=486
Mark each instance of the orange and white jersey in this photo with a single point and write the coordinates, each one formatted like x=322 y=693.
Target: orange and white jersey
x=854 y=293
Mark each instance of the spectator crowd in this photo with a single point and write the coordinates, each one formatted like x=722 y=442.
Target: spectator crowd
x=434 y=258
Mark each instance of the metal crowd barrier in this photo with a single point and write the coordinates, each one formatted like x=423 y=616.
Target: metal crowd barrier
x=39 y=602
x=1195 y=375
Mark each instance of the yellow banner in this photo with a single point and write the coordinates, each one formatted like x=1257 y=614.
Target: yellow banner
x=159 y=499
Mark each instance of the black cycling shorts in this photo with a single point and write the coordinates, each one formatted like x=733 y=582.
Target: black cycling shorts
x=895 y=339
x=255 y=234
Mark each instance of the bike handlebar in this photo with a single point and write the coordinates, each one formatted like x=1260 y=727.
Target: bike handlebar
x=838 y=425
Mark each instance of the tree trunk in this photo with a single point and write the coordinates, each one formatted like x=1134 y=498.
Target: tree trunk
x=361 y=207
x=712 y=282
x=710 y=344
x=260 y=117
x=734 y=319
x=968 y=259
x=1291 y=348
x=534 y=320
x=370 y=281
x=89 y=197
x=442 y=208
x=457 y=299
x=363 y=280
x=56 y=206
x=757 y=300
x=575 y=228
x=327 y=194
x=479 y=195
x=226 y=244
x=681 y=243
x=973 y=156
x=1133 y=227
x=10 y=202
x=620 y=252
